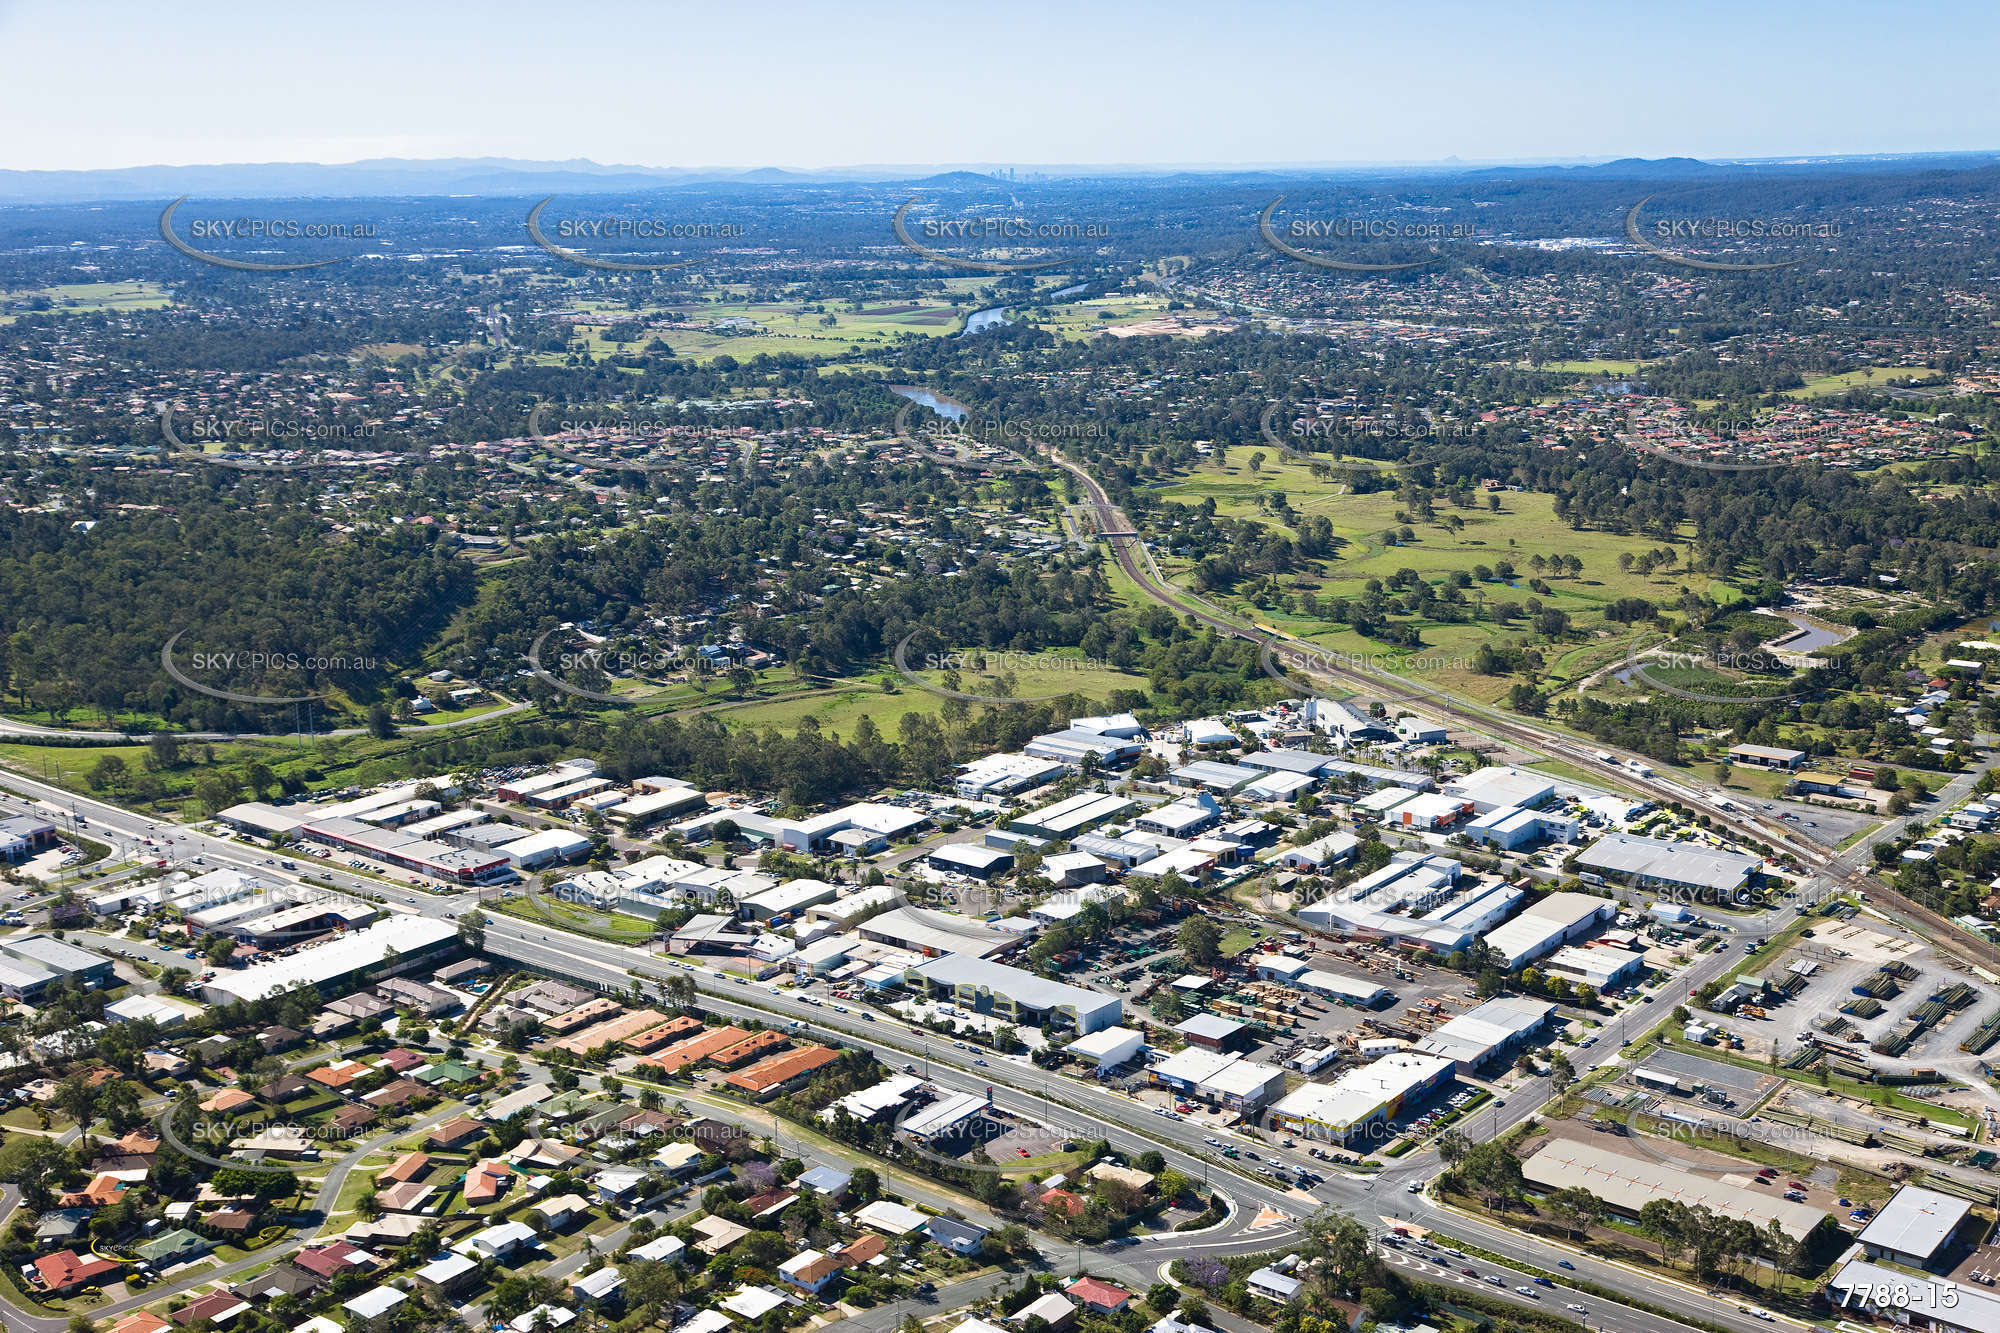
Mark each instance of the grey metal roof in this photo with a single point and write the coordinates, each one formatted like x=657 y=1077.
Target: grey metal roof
x=1917 y=1221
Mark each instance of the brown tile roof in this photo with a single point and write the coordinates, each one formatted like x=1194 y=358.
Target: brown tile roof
x=661 y=1033
x=749 y=1048
x=684 y=1053
x=781 y=1069
x=410 y=1166
x=457 y=1130
x=610 y=1032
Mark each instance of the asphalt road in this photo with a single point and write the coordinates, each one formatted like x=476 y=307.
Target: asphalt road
x=1082 y=1109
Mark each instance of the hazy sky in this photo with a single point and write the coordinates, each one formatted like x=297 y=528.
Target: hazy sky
x=811 y=85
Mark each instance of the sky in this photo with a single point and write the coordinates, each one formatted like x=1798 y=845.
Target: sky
x=105 y=83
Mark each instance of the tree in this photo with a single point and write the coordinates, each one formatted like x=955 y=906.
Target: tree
x=1561 y=1073
x=36 y=1164
x=380 y=724
x=1201 y=940
x=1577 y=1209
x=472 y=930
x=1162 y=1296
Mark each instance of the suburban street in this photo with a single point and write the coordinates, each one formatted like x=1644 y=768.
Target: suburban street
x=1380 y=1202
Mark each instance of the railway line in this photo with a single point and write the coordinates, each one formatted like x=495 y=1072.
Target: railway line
x=1130 y=551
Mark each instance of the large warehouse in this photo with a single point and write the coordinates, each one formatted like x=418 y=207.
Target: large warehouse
x=1627 y=1184
x=1916 y=1227
x=1371 y=1095
x=415 y=942
x=1418 y=899
x=1495 y=1030
x=1017 y=996
x=1649 y=863
x=1548 y=925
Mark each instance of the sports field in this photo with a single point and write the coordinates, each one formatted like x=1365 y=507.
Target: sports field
x=82 y=298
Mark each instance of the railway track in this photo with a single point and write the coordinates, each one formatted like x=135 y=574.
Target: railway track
x=1133 y=557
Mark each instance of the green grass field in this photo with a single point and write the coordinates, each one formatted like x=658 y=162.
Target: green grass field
x=1865 y=377
x=1593 y=367
x=77 y=298
x=1524 y=526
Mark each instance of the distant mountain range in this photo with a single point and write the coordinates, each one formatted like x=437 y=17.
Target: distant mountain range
x=403 y=177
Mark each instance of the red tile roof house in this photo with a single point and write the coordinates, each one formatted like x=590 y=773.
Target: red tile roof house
x=330 y=1261
x=142 y=1322
x=452 y=1133
x=217 y=1307
x=1099 y=1296
x=487 y=1182
x=67 y=1271
x=1062 y=1201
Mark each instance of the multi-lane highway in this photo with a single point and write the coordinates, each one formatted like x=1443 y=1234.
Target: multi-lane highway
x=1086 y=1110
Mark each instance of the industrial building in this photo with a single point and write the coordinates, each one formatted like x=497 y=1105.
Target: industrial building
x=1065 y=819
x=1183 y=818
x=970 y=858
x=787 y=900
x=1373 y=1095
x=548 y=847
x=1548 y=925
x=1219 y=1077
x=1018 y=997
x=1423 y=810
x=30 y=964
x=1873 y=1288
x=1322 y=854
x=934 y=934
x=1649 y=863
x=395 y=848
x=1006 y=775
x=1109 y=1047
x=1511 y=826
x=1766 y=756
x=1072 y=744
x=1496 y=1030
x=1210 y=775
x=399 y=943
x=1915 y=1228
x=1500 y=786
x=23 y=836
x=1599 y=968
x=1627 y=1184
x=1416 y=899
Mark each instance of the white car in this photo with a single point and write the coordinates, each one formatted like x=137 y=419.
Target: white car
x=1529 y=1292
x=1574 y=1308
